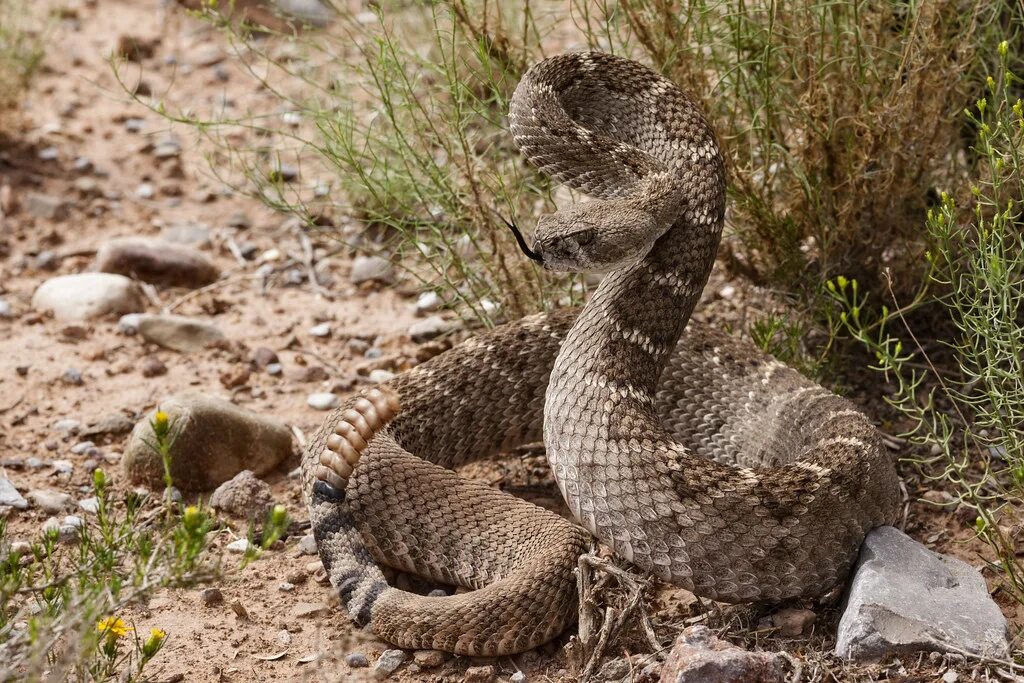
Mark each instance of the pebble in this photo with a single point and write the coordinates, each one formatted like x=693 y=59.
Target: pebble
x=428 y=302
x=151 y=366
x=283 y=637
x=379 y=375
x=286 y=587
x=145 y=191
x=156 y=262
x=306 y=610
x=244 y=495
x=82 y=446
x=479 y=674
x=46 y=206
x=517 y=677
x=698 y=656
x=67 y=426
x=177 y=332
x=793 y=622
x=264 y=357
x=389 y=661
x=9 y=495
x=90 y=504
x=192 y=234
x=66 y=466
x=371 y=268
x=429 y=659
x=88 y=295
x=283 y=172
x=72 y=377
x=434 y=326
x=215 y=441
x=321 y=330
x=49 y=501
x=114 y=424
x=240 y=221
x=6 y=312
x=323 y=401
x=134 y=125
x=49 y=154
x=356 y=660
x=274 y=369
x=240 y=546
x=307 y=545
x=211 y=596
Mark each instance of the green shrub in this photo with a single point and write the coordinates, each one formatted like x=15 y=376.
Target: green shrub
x=964 y=396
x=21 y=49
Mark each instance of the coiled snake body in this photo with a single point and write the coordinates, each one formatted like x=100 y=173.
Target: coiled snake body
x=692 y=455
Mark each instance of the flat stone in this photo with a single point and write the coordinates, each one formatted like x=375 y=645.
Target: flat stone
x=114 y=424
x=239 y=547
x=192 y=234
x=699 y=657
x=88 y=295
x=49 y=501
x=9 y=495
x=905 y=598
x=244 y=495
x=429 y=659
x=356 y=660
x=792 y=621
x=371 y=268
x=156 y=262
x=306 y=610
x=177 y=332
x=46 y=206
x=429 y=328
x=323 y=401
x=388 y=662
x=307 y=545
x=215 y=440
x=379 y=375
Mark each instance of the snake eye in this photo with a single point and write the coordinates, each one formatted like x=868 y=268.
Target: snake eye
x=583 y=237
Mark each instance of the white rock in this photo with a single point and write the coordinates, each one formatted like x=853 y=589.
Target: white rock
x=367 y=268
x=49 y=501
x=240 y=546
x=88 y=295
x=90 y=504
x=9 y=495
x=68 y=426
x=5 y=309
x=82 y=446
x=323 y=401
x=428 y=302
x=380 y=375
x=321 y=330
x=905 y=598
x=388 y=661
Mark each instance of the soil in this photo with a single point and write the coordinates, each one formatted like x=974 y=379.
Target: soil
x=77 y=107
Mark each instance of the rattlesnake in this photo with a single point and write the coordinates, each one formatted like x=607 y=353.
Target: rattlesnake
x=697 y=458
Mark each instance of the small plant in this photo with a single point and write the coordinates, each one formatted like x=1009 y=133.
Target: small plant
x=964 y=396
x=21 y=49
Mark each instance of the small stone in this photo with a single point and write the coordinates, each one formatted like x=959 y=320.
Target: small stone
x=793 y=622
x=434 y=326
x=356 y=660
x=274 y=369
x=517 y=677
x=134 y=125
x=950 y=677
x=311 y=373
x=90 y=504
x=82 y=447
x=114 y=424
x=307 y=610
x=321 y=330
x=82 y=165
x=323 y=401
x=283 y=637
x=428 y=302
x=192 y=234
x=938 y=497
x=214 y=441
x=727 y=292
x=371 y=268
x=479 y=674
x=156 y=262
x=286 y=587
x=6 y=312
x=699 y=657
x=235 y=377
x=46 y=206
x=388 y=662
x=145 y=191
x=72 y=377
x=167 y=148
x=49 y=501
x=244 y=495
x=66 y=466
x=151 y=366
x=134 y=48
x=429 y=659
x=177 y=332
x=88 y=187
x=9 y=495
x=211 y=596
x=264 y=357
x=240 y=546
x=905 y=598
x=88 y=295
x=380 y=375
x=283 y=172
x=48 y=154
x=307 y=545
x=74 y=332
x=240 y=221
x=67 y=426
x=438 y=593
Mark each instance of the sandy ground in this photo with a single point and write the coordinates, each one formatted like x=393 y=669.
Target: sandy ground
x=77 y=108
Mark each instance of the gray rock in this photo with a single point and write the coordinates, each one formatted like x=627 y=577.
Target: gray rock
x=371 y=268
x=323 y=401
x=518 y=677
x=114 y=424
x=356 y=660
x=244 y=495
x=214 y=440
x=90 y=504
x=67 y=426
x=388 y=661
x=905 y=598
x=49 y=501
x=240 y=546
x=6 y=312
x=88 y=295
x=156 y=262
x=428 y=302
x=434 y=326
x=307 y=545
x=429 y=659
x=211 y=596
x=46 y=206
x=379 y=375
x=699 y=657
x=82 y=446
x=311 y=12
x=9 y=495
x=72 y=377
x=192 y=234
x=177 y=332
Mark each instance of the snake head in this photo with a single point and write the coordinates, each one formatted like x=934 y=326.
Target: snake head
x=595 y=236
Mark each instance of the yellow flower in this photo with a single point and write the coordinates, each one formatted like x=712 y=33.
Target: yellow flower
x=113 y=626
x=160 y=423
x=154 y=642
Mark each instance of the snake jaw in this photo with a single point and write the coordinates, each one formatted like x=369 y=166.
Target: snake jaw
x=352 y=435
